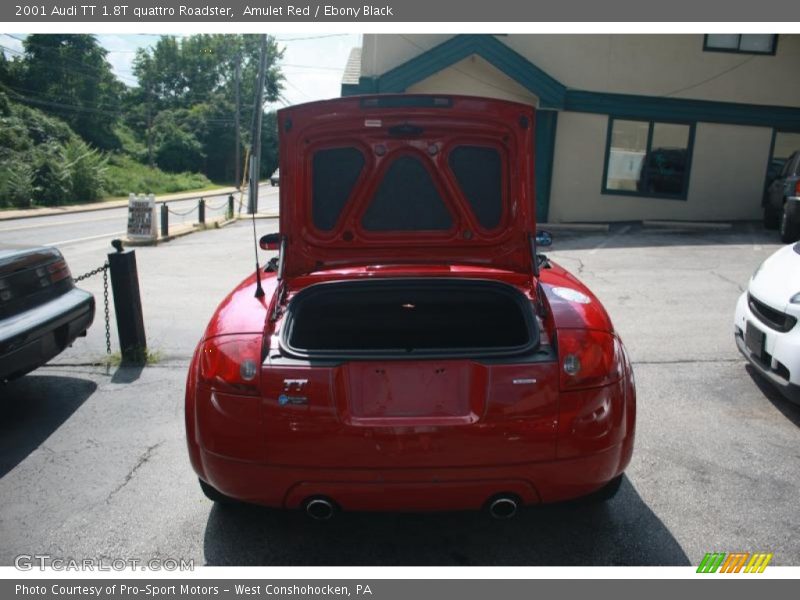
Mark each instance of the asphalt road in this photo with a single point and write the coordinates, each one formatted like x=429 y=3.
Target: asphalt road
x=71 y=229
x=93 y=460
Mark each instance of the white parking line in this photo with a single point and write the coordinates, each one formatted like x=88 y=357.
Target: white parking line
x=84 y=239
x=602 y=244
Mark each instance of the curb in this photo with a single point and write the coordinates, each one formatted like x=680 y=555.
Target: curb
x=258 y=216
x=700 y=225
x=177 y=232
x=602 y=227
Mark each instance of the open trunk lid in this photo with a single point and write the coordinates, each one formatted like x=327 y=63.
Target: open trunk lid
x=406 y=180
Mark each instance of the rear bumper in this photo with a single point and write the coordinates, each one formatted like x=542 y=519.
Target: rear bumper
x=438 y=489
x=28 y=340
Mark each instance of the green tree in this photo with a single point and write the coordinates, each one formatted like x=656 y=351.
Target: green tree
x=67 y=75
x=198 y=74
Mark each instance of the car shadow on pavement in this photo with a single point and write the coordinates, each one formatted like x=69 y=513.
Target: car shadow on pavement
x=33 y=408
x=784 y=406
x=622 y=532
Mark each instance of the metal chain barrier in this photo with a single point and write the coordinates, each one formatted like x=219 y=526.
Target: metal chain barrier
x=181 y=214
x=104 y=269
x=212 y=207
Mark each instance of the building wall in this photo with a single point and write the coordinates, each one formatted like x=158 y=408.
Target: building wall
x=729 y=163
x=654 y=65
x=476 y=77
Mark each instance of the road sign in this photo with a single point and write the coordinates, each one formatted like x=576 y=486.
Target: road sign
x=142 y=217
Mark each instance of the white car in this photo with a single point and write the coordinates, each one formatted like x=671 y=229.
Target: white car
x=766 y=324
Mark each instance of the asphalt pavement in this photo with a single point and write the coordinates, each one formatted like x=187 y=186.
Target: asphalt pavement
x=93 y=460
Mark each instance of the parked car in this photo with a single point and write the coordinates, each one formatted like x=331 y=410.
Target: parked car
x=275 y=178
x=410 y=350
x=41 y=310
x=782 y=201
x=765 y=325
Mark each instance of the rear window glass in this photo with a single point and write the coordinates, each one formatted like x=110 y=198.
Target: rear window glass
x=334 y=175
x=478 y=170
x=407 y=200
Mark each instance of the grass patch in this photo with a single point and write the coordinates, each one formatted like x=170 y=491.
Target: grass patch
x=124 y=175
x=151 y=357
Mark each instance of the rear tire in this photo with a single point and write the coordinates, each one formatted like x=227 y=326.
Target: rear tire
x=214 y=494
x=789 y=229
x=772 y=217
x=607 y=492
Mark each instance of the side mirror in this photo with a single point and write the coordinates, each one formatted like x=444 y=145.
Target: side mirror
x=544 y=239
x=271 y=241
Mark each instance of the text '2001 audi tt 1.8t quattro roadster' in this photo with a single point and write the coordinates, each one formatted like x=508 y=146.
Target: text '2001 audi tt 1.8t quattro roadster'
x=411 y=351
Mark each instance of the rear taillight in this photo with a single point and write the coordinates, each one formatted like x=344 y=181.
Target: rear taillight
x=797 y=188
x=587 y=358
x=232 y=363
x=58 y=271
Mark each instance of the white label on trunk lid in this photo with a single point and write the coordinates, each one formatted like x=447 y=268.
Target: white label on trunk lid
x=373 y=123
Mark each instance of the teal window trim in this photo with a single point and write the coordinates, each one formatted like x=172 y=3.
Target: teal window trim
x=636 y=194
x=771 y=52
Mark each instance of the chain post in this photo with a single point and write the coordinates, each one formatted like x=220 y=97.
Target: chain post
x=164 y=220
x=201 y=211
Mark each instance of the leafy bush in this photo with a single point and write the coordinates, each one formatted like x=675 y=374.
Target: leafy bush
x=85 y=171
x=124 y=175
x=16 y=185
x=43 y=162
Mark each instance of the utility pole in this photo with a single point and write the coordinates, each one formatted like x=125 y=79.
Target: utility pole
x=237 y=156
x=149 y=132
x=258 y=109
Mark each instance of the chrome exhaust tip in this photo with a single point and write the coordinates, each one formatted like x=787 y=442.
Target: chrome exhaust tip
x=503 y=507
x=320 y=509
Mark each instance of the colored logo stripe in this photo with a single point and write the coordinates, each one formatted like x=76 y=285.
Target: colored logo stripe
x=734 y=562
x=758 y=562
x=711 y=562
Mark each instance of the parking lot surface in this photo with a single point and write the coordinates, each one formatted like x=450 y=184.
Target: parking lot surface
x=93 y=460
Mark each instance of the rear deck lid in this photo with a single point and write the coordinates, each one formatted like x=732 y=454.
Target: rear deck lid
x=406 y=180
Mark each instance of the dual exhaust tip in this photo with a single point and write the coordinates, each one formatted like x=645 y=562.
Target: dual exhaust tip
x=500 y=507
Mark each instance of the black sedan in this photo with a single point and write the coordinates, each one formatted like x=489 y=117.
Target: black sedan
x=41 y=310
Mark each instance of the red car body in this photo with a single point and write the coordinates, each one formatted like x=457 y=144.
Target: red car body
x=426 y=203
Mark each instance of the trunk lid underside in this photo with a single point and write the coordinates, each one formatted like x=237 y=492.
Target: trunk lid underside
x=406 y=179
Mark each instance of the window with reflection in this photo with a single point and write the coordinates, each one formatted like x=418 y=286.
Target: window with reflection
x=648 y=158
x=745 y=43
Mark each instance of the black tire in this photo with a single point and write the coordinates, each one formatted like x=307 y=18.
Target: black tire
x=214 y=494
x=607 y=492
x=772 y=217
x=789 y=229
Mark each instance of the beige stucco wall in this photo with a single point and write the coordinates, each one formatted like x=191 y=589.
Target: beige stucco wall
x=474 y=76
x=728 y=168
x=655 y=65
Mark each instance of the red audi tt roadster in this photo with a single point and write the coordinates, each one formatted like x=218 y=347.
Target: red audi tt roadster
x=409 y=348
